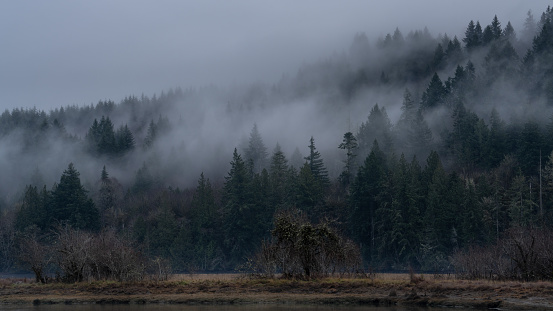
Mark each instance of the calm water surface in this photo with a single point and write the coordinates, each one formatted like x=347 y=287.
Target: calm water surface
x=163 y=307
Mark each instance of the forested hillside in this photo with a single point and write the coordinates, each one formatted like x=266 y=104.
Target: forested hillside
x=413 y=145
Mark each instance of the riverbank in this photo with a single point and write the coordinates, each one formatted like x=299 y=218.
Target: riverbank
x=232 y=289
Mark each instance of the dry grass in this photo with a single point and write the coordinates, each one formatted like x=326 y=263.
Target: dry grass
x=237 y=288
x=205 y=277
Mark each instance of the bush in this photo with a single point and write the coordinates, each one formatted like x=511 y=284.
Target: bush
x=301 y=249
x=524 y=254
x=82 y=256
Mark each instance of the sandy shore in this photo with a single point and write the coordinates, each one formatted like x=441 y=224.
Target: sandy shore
x=231 y=289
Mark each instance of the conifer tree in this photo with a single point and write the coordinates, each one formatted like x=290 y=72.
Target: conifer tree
x=349 y=144
x=488 y=35
x=107 y=144
x=377 y=127
x=256 y=151
x=317 y=166
x=278 y=177
x=434 y=95
x=107 y=199
x=509 y=32
x=239 y=212
x=151 y=135
x=412 y=130
x=472 y=38
x=529 y=30
x=71 y=203
x=364 y=200
x=124 y=140
x=454 y=51
x=496 y=28
x=438 y=61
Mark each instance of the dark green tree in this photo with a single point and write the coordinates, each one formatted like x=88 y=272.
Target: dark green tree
x=377 y=127
x=34 y=210
x=496 y=141
x=435 y=94
x=205 y=236
x=317 y=166
x=454 y=52
x=496 y=28
x=530 y=147
x=107 y=200
x=488 y=36
x=412 y=131
x=349 y=144
x=124 y=140
x=364 y=201
x=71 y=203
x=439 y=59
x=239 y=212
x=278 y=178
x=143 y=181
x=107 y=144
x=472 y=37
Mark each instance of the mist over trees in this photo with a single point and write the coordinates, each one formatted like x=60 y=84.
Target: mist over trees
x=413 y=146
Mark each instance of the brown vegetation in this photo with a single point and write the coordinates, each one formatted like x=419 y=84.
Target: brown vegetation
x=302 y=250
x=523 y=254
x=82 y=256
x=383 y=289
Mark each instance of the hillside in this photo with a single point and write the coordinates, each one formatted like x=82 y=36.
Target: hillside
x=413 y=146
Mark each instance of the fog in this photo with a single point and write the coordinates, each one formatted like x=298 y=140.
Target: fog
x=277 y=65
x=59 y=53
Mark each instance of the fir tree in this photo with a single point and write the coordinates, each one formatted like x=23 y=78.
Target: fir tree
x=349 y=144
x=472 y=38
x=434 y=95
x=278 y=177
x=71 y=203
x=317 y=166
x=256 y=151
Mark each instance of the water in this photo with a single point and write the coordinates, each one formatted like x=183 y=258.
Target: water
x=164 y=307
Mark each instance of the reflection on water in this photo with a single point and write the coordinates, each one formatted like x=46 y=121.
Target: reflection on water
x=164 y=307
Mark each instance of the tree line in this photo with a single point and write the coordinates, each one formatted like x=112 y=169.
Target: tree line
x=449 y=175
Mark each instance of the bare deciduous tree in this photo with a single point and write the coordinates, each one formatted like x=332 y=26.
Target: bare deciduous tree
x=301 y=249
x=35 y=253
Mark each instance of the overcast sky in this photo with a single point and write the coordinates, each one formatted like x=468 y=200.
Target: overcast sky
x=59 y=53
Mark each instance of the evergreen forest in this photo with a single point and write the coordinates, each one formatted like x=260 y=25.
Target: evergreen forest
x=415 y=146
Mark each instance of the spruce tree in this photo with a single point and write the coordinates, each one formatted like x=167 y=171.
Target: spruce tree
x=496 y=28
x=317 y=166
x=349 y=144
x=124 y=140
x=239 y=212
x=434 y=95
x=377 y=127
x=71 y=203
x=278 y=177
x=107 y=144
x=472 y=38
x=364 y=200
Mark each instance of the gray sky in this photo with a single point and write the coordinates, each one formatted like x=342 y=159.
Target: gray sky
x=57 y=53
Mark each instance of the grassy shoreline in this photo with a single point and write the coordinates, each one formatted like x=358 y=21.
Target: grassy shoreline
x=382 y=290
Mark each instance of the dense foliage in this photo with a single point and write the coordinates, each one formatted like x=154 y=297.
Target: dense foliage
x=467 y=157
